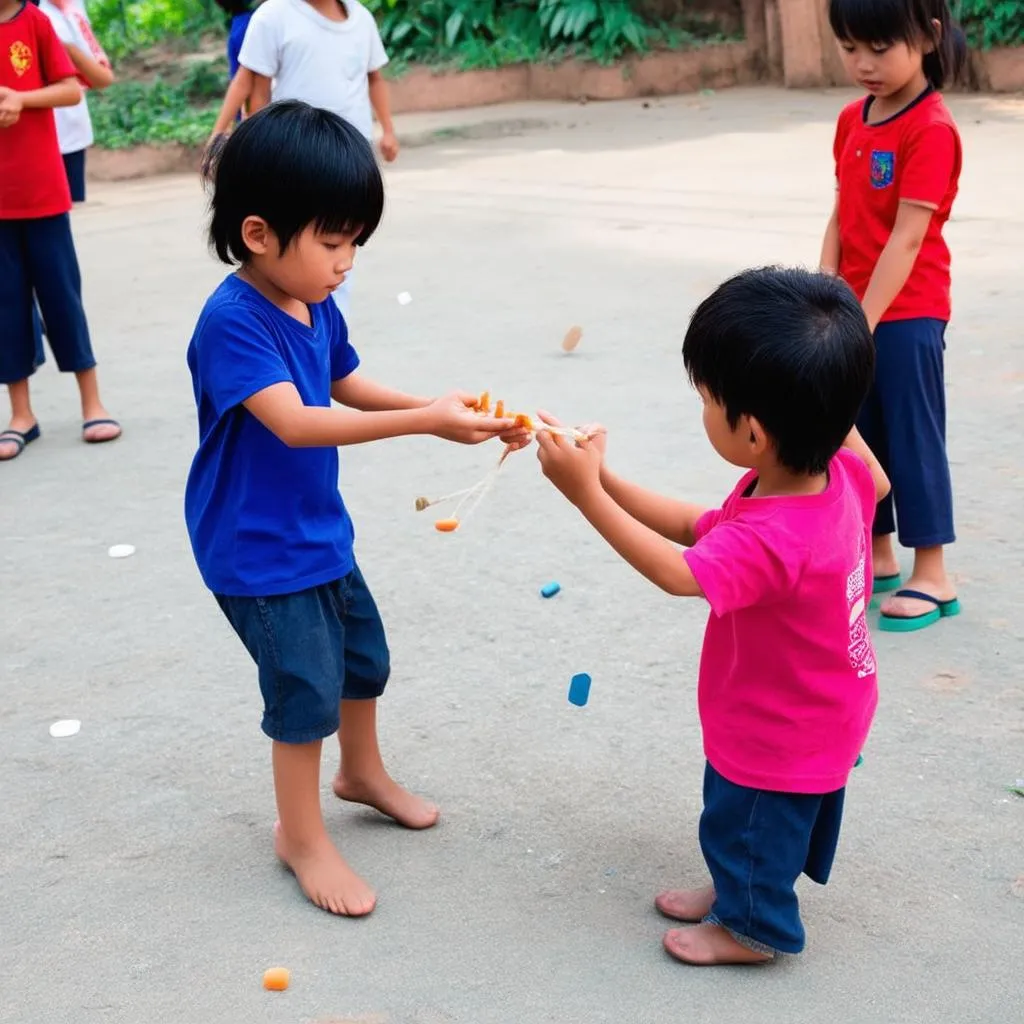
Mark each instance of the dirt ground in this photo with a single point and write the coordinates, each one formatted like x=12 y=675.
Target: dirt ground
x=138 y=878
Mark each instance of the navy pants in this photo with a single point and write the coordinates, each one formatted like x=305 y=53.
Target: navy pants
x=74 y=167
x=756 y=844
x=903 y=421
x=37 y=257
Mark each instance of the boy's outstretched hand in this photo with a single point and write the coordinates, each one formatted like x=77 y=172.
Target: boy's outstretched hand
x=454 y=419
x=573 y=467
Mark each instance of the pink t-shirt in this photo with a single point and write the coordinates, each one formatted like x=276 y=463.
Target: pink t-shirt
x=788 y=684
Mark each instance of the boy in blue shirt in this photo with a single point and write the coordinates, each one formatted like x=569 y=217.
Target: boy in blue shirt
x=296 y=189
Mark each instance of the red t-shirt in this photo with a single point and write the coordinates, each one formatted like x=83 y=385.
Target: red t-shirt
x=914 y=155
x=33 y=182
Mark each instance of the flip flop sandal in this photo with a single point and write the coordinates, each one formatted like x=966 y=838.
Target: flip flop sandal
x=20 y=439
x=100 y=423
x=884 y=584
x=912 y=623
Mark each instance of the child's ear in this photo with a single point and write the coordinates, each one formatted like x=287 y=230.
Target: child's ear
x=256 y=235
x=757 y=439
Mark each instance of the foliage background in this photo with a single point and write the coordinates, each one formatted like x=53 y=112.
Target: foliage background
x=169 y=53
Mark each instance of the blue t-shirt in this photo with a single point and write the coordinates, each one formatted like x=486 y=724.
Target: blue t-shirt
x=264 y=518
x=236 y=36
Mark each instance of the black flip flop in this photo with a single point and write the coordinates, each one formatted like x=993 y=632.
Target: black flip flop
x=20 y=439
x=100 y=423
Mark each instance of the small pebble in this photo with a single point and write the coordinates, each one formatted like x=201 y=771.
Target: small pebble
x=404 y=298
x=122 y=551
x=550 y=589
x=276 y=979
x=579 y=689
x=64 y=728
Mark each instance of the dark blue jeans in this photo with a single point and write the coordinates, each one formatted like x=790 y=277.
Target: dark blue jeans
x=313 y=650
x=756 y=844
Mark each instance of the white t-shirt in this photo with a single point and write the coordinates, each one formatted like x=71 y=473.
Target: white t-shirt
x=311 y=58
x=74 y=125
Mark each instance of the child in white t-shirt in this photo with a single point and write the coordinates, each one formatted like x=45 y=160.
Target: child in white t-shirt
x=327 y=53
x=74 y=125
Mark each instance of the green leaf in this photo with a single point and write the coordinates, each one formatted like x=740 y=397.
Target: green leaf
x=558 y=22
x=452 y=26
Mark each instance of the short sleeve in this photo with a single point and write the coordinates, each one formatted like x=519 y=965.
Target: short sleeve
x=260 y=51
x=859 y=476
x=236 y=356
x=737 y=568
x=61 y=25
x=712 y=517
x=841 y=135
x=344 y=358
x=378 y=55
x=929 y=160
x=53 y=58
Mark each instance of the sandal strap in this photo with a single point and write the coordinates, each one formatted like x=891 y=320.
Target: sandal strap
x=13 y=437
x=919 y=595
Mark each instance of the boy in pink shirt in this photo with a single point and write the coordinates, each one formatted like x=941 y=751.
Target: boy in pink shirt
x=783 y=360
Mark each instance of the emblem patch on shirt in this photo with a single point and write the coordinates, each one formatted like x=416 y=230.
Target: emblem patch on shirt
x=21 y=58
x=883 y=167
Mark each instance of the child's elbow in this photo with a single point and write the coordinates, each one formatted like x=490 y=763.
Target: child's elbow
x=72 y=94
x=679 y=582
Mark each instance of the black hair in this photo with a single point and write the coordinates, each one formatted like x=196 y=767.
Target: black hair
x=234 y=7
x=790 y=348
x=293 y=165
x=905 y=21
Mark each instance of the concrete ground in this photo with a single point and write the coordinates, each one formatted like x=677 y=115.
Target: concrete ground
x=138 y=879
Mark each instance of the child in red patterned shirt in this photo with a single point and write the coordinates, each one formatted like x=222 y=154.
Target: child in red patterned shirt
x=37 y=253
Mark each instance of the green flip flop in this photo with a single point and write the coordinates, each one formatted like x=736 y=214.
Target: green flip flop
x=884 y=584
x=912 y=623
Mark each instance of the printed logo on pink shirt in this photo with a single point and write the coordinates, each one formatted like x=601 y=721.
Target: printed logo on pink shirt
x=862 y=654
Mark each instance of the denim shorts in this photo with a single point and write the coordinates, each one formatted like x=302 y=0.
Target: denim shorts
x=313 y=649
x=757 y=843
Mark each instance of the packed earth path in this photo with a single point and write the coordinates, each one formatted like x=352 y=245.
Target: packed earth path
x=139 y=878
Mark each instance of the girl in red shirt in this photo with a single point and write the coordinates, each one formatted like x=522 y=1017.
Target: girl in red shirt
x=37 y=253
x=897 y=154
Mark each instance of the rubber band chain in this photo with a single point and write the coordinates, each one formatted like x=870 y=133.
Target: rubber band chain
x=469 y=498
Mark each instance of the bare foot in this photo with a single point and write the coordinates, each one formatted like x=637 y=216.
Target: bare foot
x=909 y=607
x=705 y=945
x=388 y=797
x=686 y=904
x=325 y=877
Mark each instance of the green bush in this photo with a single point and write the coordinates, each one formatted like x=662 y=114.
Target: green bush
x=993 y=22
x=181 y=105
x=489 y=33
x=124 y=26
x=131 y=113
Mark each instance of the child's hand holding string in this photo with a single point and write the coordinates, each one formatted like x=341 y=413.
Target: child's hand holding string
x=573 y=467
x=453 y=418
